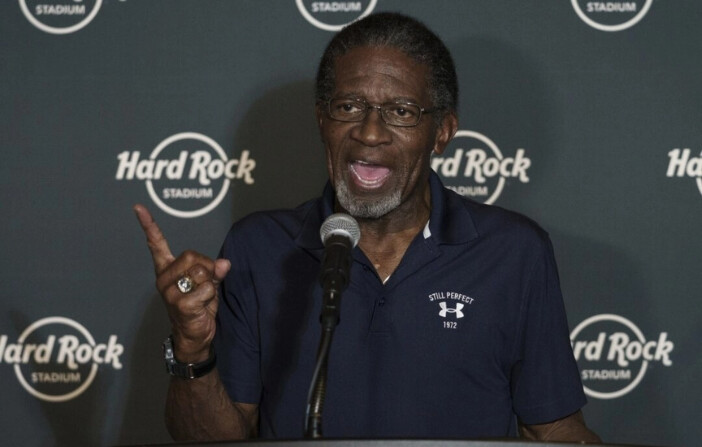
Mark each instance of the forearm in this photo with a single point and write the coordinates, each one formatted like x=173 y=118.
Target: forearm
x=200 y=409
x=569 y=429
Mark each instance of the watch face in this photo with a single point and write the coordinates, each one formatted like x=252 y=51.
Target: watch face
x=168 y=349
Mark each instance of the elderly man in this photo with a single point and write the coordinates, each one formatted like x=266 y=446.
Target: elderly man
x=453 y=323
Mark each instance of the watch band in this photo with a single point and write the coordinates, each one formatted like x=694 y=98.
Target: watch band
x=186 y=370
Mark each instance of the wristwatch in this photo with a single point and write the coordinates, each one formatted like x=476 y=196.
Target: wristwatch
x=186 y=370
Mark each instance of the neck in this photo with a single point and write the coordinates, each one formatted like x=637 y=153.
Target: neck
x=385 y=240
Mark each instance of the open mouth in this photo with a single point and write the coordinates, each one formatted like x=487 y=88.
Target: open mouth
x=369 y=175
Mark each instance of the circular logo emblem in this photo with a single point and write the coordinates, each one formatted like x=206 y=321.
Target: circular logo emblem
x=60 y=16
x=188 y=174
x=611 y=15
x=613 y=354
x=473 y=166
x=333 y=16
x=207 y=154
x=56 y=359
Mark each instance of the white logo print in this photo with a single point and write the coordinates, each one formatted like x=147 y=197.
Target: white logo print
x=185 y=183
x=611 y=15
x=56 y=358
x=445 y=309
x=480 y=170
x=60 y=16
x=682 y=164
x=444 y=296
x=333 y=16
x=609 y=348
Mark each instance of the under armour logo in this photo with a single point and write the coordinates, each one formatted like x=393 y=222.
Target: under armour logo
x=445 y=309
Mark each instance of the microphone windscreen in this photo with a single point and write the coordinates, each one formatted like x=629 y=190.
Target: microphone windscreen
x=342 y=224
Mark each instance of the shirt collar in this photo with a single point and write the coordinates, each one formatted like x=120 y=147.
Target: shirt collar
x=450 y=221
x=322 y=208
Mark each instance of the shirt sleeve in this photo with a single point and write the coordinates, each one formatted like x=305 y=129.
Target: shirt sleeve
x=236 y=340
x=545 y=380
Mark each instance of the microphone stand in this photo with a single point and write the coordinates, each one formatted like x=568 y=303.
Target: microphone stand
x=333 y=284
x=318 y=387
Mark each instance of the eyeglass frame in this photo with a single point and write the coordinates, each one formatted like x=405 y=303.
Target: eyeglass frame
x=379 y=108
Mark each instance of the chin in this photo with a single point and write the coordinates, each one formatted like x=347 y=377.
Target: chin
x=366 y=208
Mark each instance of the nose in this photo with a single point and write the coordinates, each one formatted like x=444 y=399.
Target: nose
x=372 y=131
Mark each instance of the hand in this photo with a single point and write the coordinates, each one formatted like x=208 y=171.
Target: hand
x=192 y=314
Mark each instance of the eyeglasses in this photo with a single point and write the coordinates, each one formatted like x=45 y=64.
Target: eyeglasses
x=401 y=114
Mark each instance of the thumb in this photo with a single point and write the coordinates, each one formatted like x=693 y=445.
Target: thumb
x=221 y=268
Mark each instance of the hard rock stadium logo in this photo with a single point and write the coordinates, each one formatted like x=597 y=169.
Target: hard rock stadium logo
x=188 y=174
x=56 y=359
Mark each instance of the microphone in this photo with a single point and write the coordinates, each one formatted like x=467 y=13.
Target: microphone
x=340 y=233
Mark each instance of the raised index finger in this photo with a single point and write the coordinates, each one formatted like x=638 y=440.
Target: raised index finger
x=160 y=252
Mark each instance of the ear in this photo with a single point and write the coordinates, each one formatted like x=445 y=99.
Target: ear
x=320 y=114
x=445 y=132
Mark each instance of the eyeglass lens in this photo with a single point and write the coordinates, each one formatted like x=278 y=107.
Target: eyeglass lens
x=395 y=114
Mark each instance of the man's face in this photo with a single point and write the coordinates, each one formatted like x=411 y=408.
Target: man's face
x=375 y=167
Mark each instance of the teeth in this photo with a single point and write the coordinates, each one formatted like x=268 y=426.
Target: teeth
x=364 y=180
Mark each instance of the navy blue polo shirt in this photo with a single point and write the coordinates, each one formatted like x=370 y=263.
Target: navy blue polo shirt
x=469 y=331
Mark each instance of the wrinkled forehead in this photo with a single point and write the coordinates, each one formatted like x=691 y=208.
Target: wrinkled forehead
x=419 y=60
x=381 y=70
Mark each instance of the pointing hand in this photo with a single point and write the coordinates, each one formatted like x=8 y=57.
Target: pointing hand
x=192 y=313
